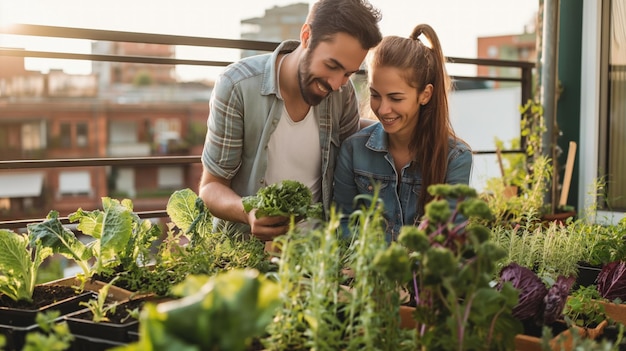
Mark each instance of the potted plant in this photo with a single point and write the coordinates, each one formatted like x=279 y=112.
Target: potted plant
x=453 y=263
x=226 y=311
x=105 y=323
x=20 y=298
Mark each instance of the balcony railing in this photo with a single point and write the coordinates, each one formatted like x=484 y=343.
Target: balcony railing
x=524 y=80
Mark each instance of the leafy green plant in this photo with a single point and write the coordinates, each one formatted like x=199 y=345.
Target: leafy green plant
x=526 y=206
x=287 y=198
x=99 y=307
x=513 y=164
x=454 y=263
x=583 y=307
x=336 y=294
x=208 y=251
x=120 y=237
x=374 y=296
x=53 y=335
x=604 y=243
x=308 y=281
x=221 y=312
x=532 y=127
x=19 y=263
x=550 y=251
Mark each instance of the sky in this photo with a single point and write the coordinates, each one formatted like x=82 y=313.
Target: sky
x=457 y=22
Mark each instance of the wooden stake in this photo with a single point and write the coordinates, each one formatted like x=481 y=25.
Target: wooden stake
x=567 y=178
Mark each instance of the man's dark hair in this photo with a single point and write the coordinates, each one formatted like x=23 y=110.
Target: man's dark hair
x=357 y=18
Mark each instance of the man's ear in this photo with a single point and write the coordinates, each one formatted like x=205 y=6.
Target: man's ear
x=305 y=35
x=425 y=96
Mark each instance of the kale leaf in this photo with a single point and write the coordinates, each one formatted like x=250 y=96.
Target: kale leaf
x=287 y=198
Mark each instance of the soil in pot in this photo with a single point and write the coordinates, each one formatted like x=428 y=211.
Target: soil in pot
x=115 y=329
x=611 y=333
x=45 y=298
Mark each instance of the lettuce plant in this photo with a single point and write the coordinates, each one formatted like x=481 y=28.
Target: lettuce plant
x=119 y=237
x=221 y=312
x=19 y=262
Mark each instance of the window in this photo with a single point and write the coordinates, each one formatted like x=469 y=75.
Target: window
x=171 y=177
x=74 y=183
x=32 y=136
x=81 y=135
x=65 y=137
x=5 y=204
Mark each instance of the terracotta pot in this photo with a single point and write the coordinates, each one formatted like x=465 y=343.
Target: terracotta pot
x=559 y=218
x=406 y=317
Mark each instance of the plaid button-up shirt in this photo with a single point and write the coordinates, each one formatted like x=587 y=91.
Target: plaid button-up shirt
x=244 y=111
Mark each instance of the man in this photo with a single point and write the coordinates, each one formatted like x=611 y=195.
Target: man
x=284 y=115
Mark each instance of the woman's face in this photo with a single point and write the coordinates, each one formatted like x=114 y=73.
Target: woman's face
x=395 y=103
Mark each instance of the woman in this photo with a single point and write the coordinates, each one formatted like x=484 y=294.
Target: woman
x=413 y=145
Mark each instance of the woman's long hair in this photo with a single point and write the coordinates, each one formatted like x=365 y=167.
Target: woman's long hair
x=423 y=64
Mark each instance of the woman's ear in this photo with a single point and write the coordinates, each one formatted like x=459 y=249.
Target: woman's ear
x=425 y=96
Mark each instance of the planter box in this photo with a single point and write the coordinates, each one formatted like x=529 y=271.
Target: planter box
x=115 y=293
x=84 y=343
x=560 y=342
x=22 y=317
x=615 y=311
x=115 y=331
x=15 y=323
x=15 y=337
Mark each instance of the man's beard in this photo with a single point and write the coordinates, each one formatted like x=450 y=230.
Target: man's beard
x=307 y=82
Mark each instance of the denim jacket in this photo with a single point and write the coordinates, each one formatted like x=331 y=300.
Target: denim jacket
x=364 y=160
x=245 y=109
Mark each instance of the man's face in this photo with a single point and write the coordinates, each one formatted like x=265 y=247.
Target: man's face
x=329 y=66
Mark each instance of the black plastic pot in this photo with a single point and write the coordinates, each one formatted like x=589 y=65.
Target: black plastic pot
x=15 y=337
x=80 y=326
x=15 y=323
x=587 y=275
x=22 y=317
x=102 y=334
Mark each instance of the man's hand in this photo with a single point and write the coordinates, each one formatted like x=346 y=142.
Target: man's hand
x=267 y=228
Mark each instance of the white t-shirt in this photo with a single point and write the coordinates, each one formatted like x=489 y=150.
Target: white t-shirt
x=294 y=153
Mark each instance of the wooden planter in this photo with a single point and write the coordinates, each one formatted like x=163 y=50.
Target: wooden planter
x=615 y=311
x=115 y=293
x=561 y=342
